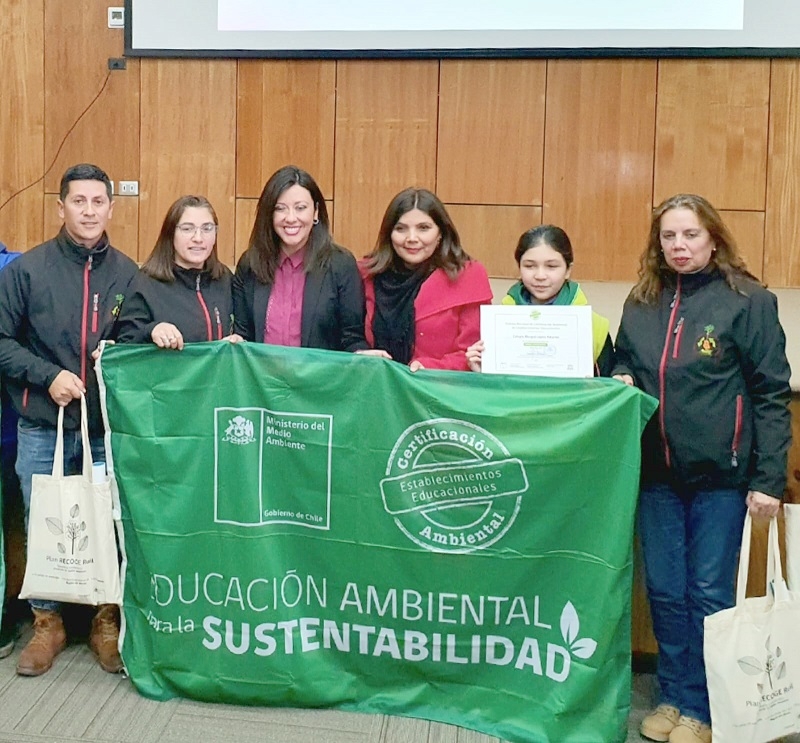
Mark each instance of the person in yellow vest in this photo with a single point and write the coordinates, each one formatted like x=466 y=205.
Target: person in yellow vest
x=544 y=256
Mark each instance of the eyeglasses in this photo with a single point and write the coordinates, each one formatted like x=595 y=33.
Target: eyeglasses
x=209 y=228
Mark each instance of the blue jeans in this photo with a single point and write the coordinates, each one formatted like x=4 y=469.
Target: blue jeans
x=36 y=446
x=690 y=543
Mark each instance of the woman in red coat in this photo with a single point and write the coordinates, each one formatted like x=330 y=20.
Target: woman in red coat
x=423 y=292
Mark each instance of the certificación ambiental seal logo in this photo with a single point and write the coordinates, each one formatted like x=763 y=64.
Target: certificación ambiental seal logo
x=452 y=486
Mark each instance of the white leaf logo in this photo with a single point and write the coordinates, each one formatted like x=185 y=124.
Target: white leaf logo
x=570 y=624
x=584 y=648
x=570 y=627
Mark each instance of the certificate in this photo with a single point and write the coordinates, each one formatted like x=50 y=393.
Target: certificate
x=538 y=340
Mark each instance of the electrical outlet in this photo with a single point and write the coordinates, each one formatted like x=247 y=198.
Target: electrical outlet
x=128 y=188
x=116 y=17
x=116 y=63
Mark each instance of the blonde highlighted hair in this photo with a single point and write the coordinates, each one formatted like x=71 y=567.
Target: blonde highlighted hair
x=653 y=268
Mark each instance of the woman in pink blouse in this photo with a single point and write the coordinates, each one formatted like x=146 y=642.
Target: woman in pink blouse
x=293 y=285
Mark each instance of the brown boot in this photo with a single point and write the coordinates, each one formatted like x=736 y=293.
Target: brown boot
x=104 y=638
x=49 y=639
x=660 y=722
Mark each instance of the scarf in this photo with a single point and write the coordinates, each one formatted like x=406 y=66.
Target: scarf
x=566 y=296
x=393 y=322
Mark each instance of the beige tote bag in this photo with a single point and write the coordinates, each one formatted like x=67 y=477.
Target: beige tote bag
x=752 y=656
x=72 y=552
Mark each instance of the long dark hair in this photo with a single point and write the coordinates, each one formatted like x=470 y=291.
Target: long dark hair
x=265 y=246
x=161 y=261
x=449 y=255
x=653 y=268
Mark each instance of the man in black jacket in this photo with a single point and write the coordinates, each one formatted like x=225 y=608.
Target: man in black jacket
x=57 y=302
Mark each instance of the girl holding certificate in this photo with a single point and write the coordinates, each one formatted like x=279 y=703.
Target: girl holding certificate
x=423 y=292
x=702 y=334
x=544 y=256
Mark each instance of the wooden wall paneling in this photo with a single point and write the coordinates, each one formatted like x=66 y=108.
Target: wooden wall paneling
x=123 y=229
x=21 y=121
x=757 y=577
x=747 y=229
x=792 y=493
x=21 y=219
x=490 y=233
x=598 y=161
x=782 y=249
x=711 y=131
x=642 y=638
x=188 y=141
x=285 y=115
x=386 y=119
x=491 y=131
x=77 y=46
x=245 y=216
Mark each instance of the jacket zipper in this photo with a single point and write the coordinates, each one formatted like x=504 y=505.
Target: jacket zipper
x=737 y=432
x=95 y=303
x=200 y=299
x=662 y=367
x=85 y=319
x=677 y=333
x=219 y=323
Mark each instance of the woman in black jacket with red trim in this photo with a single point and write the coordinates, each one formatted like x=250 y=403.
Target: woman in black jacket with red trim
x=702 y=334
x=182 y=294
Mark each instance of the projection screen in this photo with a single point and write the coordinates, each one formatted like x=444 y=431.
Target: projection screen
x=462 y=28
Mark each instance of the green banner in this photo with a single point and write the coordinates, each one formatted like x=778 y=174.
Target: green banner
x=316 y=529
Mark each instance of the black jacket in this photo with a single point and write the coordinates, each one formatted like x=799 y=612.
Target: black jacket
x=715 y=358
x=201 y=308
x=57 y=302
x=333 y=305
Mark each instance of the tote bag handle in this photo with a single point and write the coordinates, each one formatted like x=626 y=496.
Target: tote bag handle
x=774 y=569
x=86 y=445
